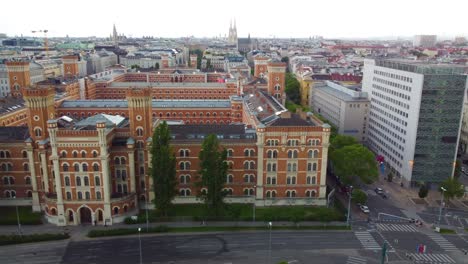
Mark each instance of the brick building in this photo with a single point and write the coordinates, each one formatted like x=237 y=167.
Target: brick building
x=87 y=161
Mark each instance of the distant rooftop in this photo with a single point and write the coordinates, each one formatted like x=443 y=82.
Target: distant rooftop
x=110 y=120
x=166 y=85
x=10 y=104
x=13 y=133
x=342 y=91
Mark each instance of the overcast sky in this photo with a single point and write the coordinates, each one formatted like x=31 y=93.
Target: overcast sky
x=260 y=18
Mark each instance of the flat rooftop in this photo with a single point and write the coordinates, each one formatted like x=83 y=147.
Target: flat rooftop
x=422 y=67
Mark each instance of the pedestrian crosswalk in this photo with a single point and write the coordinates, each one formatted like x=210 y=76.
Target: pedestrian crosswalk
x=367 y=240
x=430 y=258
x=442 y=242
x=396 y=228
x=356 y=260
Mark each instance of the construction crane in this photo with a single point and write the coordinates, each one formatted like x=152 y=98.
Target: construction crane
x=46 y=46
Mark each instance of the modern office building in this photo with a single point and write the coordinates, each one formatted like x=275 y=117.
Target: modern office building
x=425 y=41
x=415 y=116
x=345 y=106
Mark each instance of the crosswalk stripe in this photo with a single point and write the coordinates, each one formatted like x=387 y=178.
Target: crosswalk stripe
x=396 y=228
x=432 y=258
x=442 y=242
x=356 y=260
x=367 y=240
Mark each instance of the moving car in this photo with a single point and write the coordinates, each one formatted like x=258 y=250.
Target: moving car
x=364 y=209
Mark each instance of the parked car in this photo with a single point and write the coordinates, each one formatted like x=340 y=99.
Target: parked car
x=379 y=191
x=364 y=209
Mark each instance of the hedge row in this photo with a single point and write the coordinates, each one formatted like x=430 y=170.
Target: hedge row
x=17 y=239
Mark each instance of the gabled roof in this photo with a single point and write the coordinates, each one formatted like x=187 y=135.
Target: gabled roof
x=110 y=120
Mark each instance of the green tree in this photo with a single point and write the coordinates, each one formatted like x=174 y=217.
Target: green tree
x=135 y=66
x=213 y=171
x=293 y=88
x=423 y=191
x=359 y=196
x=353 y=162
x=453 y=188
x=208 y=64
x=199 y=53
x=156 y=66
x=340 y=141
x=163 y=169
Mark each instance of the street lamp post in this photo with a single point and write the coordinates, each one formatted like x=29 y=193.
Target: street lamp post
x=441 y=204
x=349 y=205
x=139 y=240
x=18 y=218
x=270 y=225
x=146 y=205
x=254 y=198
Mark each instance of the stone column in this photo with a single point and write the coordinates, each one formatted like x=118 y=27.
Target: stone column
x=260 y=144
x=323 y=170
x=32 y=168
x=106 y=181
x=45 y=172
x=52 y=127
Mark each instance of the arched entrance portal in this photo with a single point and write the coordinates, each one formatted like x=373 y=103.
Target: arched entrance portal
x=85 y=215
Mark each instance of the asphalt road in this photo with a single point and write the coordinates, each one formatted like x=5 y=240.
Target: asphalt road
x=247 y=247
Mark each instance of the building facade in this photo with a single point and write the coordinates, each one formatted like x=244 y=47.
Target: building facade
x=415 y=116
x=346 y=107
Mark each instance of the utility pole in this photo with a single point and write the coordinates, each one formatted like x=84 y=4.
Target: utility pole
x=349 y=205
x=441 y=204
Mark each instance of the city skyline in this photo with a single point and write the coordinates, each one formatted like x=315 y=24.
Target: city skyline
x=208 y=18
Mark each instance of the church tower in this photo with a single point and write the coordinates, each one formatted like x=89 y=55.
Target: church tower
x=140 y=116
x=115 y=36
x=232 y=38
x=40 y=104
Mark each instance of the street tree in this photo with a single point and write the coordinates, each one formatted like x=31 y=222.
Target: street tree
x=340 y=141
x=423 y=191
x=293 y=88
x=454 y=189
x=354 y=162
x=156 y=66
x=163 y=169
x=359 y=196
x=213 y=172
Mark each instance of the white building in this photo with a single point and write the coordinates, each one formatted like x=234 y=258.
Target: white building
x=346 y=107
x=425 y=41
x=415 y=116
x=4 y=83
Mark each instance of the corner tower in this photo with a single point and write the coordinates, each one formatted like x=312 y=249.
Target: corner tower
x=18 y=75
x=40 y=108
x=70 y=66
x=276 y=80
x=140 y=116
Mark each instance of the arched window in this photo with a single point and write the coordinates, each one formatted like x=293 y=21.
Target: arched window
x=75 y=154
x=83 y=154
x=38 y=132
x=229 y=178
x=97 y=181
x=87 y=195
x=67 y=181
x=27 y=180
x=25 y=154
x=6 y=180
x=316 y=154
x=63 y=154
x=230 y=152
x=95 y=154
x=139 y=132
x=78 y=181
x=124 y=175
x=98 y=195
x=95 y=167
x=69 y=196
x=65 y=167
x=123 y=161
x=85 y=167
x=184 y=165
x=76 y=167
x=26 y=167
x=117 y=161
x=80 y=196
x=116 y=210
x=86 y=181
